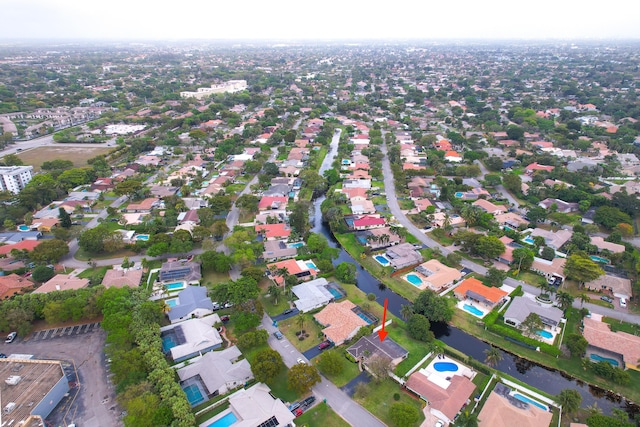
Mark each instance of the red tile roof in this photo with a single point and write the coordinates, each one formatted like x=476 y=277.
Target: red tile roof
x=27 y=245
x=472 y=284
x=368 y=221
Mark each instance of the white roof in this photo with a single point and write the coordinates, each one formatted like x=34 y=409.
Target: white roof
x=218 y=368
x=311 y=294
x=255 y=406
x=199 y=334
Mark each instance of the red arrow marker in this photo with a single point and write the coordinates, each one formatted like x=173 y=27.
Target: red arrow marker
x=382 y=333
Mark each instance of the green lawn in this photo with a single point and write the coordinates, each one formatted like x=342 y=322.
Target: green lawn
x=349 y=370
x=278 y=386
x=531 y=278
x=444 y=240
x=417 y=349
x=406 y=204
x=378 y=397
x=290 y=326
x=617 y=325
x=321 y=416
x=82 y=255
x=212 y=278
x=271 y=308
x=95 y=275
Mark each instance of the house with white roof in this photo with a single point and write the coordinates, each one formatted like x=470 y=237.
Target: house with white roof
x=192 y=337
x=312 y=294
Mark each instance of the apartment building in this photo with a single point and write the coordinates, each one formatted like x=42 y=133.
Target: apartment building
x=15 y=178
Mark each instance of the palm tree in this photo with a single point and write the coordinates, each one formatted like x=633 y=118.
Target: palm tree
x=565 y=299
x=300 y=321
x=275 y=292
x=406 y=311
x=466 y=419
x=593 y=409
x=570 y=400
x=492 y=356
x=584 y=298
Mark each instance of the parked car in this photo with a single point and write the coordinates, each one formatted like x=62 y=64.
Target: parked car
x=294 y=406
x=302 y=361
x=323 y=345
x=623 y=302
x=298 y=412
x=287 y=311
x=606 y=299
x=3 y=356
x=224 y=318
x=308 y=401
x=278 y=335
x=12 y=336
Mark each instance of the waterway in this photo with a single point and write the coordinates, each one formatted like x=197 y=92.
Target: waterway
x=544 y=379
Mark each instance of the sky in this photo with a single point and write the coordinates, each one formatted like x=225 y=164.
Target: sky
x=324 y=19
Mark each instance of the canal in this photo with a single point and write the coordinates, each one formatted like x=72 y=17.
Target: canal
x=542 y=378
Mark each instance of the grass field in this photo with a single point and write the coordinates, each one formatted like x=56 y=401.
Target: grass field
x=321 y=416
x=78 y=155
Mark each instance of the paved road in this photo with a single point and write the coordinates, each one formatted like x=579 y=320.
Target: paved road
x=500 y=188
x=47 y=140
x=337 y=399
x=394 y=207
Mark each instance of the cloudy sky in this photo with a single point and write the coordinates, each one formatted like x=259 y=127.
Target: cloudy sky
x=325 y=19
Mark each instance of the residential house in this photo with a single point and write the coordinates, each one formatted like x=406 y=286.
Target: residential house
x=189 y=217
x=521 y=307
x=619 y=287
x=272 y=203
x=120 y=278
x=340 y=322
x=368 y=221
x=256 y=406
x=363 y=207
x=507 y=256
x=180 y=271
x=370 y=346
x=377 y=238
x=273 y=231
x=278 y=249
x=563 y=207
x=162 y=191
x=441 y=218
x=24 y=245
x=553 y=239
x=144 y=206
x=12 y=284
x=474 y=290
x=357 y=183
x=303 y=270
x=403 y=255
x=192 y=302
x=452 y=156
x=549 y=269
x=216 y=373
x=510 y=219
x=62 y=282
x=533 y=167
x=501 y=409
x=622 y=347
x=437 y=276
x=603 y=245
x=489 y=207
x=445 y=397
x=312 y=294
x=187 y=339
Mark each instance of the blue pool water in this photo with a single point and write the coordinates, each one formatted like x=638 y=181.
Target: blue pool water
x=459 y=194
x=143 y=237
x=194 y=395
x=311 y=265
x=24 y=227
x=597 y=358
x=172 y=302
x=382 y=260
x=545 y=334
x=335 y=293
x=168 y=342
x=365 y=318
x=531 y=401
x=529 y=240
x=413 y=279
x=473 y=310
x=346 y=162
x=295 y=245
x=175 y=285
x=225 y=421
x=445 y=367
x=599 y=259
x=507 y=228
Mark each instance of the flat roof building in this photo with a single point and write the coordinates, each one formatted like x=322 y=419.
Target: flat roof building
x=15 y=178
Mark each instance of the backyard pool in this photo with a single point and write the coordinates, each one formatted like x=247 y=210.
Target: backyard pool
x=24 y=227
x=529 y=240
x=168 y=342
x=311 y=265
x=143 y=237
x=459 y=194
x=599 y=259
x=194 y=395
x=413 y=279
x=225 y=421
x=382 y=260
x=295 y=245
x=473 y=310
x=597 y=358
x=545 y=334
x=445 y=367
x=174 y=286
x=523 y=398
x=507 y=228
x=171 y=302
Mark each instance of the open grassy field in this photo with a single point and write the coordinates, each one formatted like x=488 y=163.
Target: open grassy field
x=321 y=416
x=78 y=155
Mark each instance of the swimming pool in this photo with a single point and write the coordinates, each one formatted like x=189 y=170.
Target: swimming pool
x=311 y=265
x=295 y=245
x=171 y=302
x=225 y=421
x=473 y=310
x=459 y=194
x=346 y=162
x=597 y=358
x=507 y=228
x=143 y=237
x=445 y=367
x=413 y=279
x=168 y=342
x=382 y=260
x=545 y=334
x=529 y=240
x=336 y=293
x=174 y=286
x=24 y=227
x=599 y=259
x=194 y=395
x=522 y=398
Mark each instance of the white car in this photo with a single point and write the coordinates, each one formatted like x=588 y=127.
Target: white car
x=623 y=302
x=439 y=424
x=301 y=361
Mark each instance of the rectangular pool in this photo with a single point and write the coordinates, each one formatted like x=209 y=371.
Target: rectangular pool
x=194 y=395
x=545 y=334
x=168 y=342
x=525 y=399
x=598 y=358
x=311 y=265
x=225 y=421
x=174 y=286
x=171 y=302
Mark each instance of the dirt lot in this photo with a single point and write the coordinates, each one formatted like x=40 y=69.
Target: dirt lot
x=78 y=155
x=92 y=403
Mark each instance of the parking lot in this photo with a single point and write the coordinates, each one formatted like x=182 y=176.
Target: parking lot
x=91 y=400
